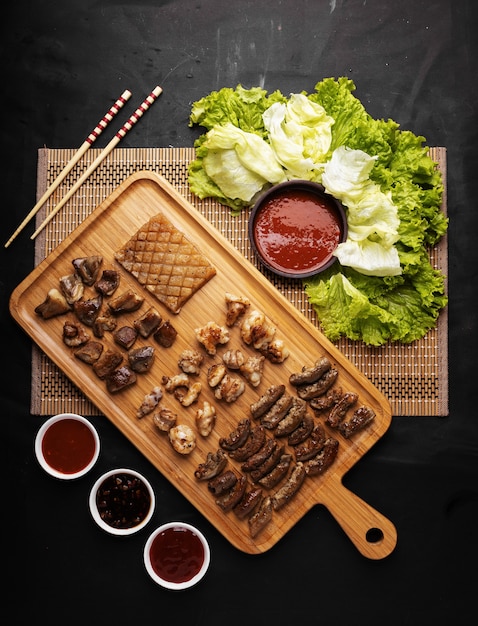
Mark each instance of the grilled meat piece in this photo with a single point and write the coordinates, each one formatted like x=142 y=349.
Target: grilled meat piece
x=259 y=520
x=108 y=283
x=233 y=359
x=222 y=483
x=215 y=374
x=206 y=419
x=88 y=310
x=312 y=445
x=120 y=379
x=302 y=431
x=257 y=330
x=292 y=419
x=229 y=389
x=147 y=323
x=141 y=359
x=165 y=334
x=190 y=361
x=212 y=466
x=275 y=351
x=363 y=416
x=89 y=352
x=150 y=402
x=268 y=465
x=288 y=490
x=249 y=502
x=165 y=262
x=54 y=304
x=236 y=307
x=237 y=437
x=171 y=383
x=327 y=401
x=234 y=495
x=312 y=374
x=104 y=322
x=211 y=335
x=321 y=386
x=277 y=412
x=164 y=419
x=252 y=370
x=253 y=444
x=182 y=438
x=251 y=325
x=74 y=335
x=260 y=456
x=72 y=287
x=264 y=403
x=191 y=395
x=107 y=363
x=273 y=478
x=337 y=413
x=324 y=459
x=87 y=268
x=126 y=302
x=125 y=336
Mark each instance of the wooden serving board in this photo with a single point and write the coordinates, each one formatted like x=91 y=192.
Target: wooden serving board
x=141 y=196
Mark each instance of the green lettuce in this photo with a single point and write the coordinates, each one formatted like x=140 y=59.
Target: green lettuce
x=243 y=108
x=377 y=311
x=239 y=162
x=393 y=204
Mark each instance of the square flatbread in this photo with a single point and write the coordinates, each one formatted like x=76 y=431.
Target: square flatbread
x=165 y=262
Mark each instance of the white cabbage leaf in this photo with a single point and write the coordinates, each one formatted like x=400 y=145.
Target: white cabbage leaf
x=369 y=258
x=372 y=218
x=299 y=132
x=240 y=163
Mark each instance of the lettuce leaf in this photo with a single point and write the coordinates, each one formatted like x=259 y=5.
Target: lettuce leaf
x=346 y=110
x=395 y=212
x=369 y=257
x=299 y=132
x=371 y=215
x=359 y=307
x=240 y=162
x=241 y=107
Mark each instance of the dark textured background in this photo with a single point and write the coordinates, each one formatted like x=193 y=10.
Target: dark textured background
x=63 y=64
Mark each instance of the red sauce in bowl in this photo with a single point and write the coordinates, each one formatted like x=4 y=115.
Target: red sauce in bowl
x=68 y=446
x=296 y=231
x=177 y=554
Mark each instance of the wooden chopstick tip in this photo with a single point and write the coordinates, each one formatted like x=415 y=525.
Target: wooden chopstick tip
x=102 y=124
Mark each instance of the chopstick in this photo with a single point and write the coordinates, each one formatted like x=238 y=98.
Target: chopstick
x=96 y=132
x=128 y=125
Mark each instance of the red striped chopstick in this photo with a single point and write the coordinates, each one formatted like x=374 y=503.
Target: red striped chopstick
x=128 y=125
x=95 y=133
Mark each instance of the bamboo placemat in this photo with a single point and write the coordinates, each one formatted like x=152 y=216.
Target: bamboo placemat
x=414 y=377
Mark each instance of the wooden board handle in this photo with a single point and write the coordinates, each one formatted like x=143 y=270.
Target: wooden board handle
x=372 y=534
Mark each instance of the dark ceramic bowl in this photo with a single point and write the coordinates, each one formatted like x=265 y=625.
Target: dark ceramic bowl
x=295 y=227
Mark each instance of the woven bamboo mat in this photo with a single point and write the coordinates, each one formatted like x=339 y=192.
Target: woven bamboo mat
x=414 y=377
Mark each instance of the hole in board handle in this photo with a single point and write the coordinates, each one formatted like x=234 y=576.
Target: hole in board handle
x=374 y=535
